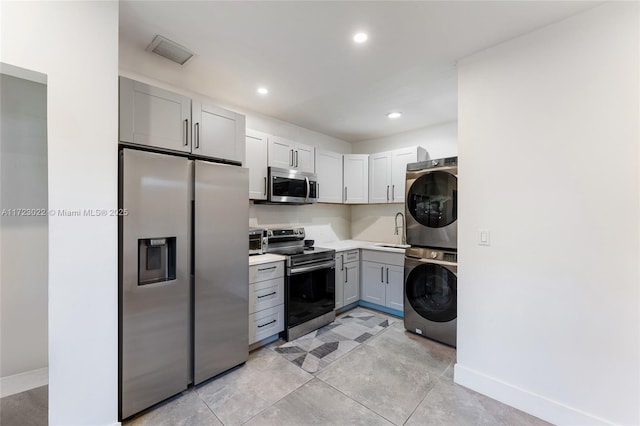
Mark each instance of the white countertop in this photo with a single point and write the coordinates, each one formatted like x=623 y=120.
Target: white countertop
x=259 y=259
x=338 y=246
x=343 y=245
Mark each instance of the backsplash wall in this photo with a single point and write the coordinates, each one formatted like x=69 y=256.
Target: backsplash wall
x=322 y=222
x=376 y=222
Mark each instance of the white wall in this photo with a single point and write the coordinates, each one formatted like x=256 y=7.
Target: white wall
x=76 y=45
x=23 y=238
x=548 y=315
x=440 y=140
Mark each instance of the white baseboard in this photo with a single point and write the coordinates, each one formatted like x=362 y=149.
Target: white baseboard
x=17 y=383
x=529 y=402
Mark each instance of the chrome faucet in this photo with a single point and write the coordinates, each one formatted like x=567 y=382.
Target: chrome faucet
x=404 y=241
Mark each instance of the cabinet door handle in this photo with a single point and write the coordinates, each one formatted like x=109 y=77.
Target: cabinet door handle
x=382 y=274
x=296 y=158
x=264 y=325
x=197 y=135
x=266 y=295
x=186 y=131
x=266 y=269
x=346 y=274
x=387 y=275
x=342 y=262
x=265 y=185
x=317 y=190
x=291 y=161
x=393 y=192
x=345 y=193
x=387 y=192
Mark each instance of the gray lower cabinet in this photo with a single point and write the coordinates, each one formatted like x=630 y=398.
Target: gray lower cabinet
x=266 y=300
x=383 y=279
x=347 y=278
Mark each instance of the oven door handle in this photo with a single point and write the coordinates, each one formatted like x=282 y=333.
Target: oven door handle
x=302 y=270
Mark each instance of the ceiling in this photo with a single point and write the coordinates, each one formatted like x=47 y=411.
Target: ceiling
x=317 y=76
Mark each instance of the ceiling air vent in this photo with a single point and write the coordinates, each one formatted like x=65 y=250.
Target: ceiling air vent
x=170 y=50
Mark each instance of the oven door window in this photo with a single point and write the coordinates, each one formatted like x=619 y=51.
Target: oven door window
x=432 y=291
x=288 y=187
x=432 y=200
x=310 y=295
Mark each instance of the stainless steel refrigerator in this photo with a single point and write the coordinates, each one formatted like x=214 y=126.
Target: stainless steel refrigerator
x=183 y=274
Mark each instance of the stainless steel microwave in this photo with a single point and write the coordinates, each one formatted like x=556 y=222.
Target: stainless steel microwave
x=292 y=186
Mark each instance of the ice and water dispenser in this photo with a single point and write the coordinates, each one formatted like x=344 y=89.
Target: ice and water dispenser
x=156 y=260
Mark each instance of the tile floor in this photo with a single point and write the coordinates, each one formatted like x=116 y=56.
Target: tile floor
x=394 y=378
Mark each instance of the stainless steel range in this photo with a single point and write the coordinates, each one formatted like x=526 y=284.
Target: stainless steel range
x=309 y=282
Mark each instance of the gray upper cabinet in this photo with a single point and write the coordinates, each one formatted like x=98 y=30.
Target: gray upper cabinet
x=154 y=117
x=217 y=132
x=288 y=154
x=256 y=146
x=329 y=173
x=162 y=119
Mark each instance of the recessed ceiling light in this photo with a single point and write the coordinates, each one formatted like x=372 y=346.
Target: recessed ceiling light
x=360 y=37
x=263 y=90
x=394 y=115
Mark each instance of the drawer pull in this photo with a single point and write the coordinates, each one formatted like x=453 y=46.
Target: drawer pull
x=264 y=325
x=267 y=269
x=267 y=295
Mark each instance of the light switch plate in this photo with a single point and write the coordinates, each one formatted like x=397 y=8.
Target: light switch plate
x=484 y=237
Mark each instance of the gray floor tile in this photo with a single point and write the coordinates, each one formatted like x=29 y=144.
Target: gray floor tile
x=382 y=380
x=436 y=355
x=451 y=404
x=317 y=403
x=241 y=394
x=28 y=408
x=185 y=410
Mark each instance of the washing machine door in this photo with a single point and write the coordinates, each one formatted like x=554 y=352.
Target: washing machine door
x=432 y=209
x=432 y=291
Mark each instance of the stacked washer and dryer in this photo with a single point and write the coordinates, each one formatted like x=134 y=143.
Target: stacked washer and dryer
x=431 y=263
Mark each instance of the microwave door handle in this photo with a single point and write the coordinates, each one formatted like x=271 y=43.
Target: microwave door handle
x=306 y=180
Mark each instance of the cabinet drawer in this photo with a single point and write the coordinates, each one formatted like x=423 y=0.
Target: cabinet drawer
x=266 y=271
x=266 y=323
x=351 y=256
x=266 y=294
x=383 y=257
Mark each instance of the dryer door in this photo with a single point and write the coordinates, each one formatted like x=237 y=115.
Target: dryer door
x=432 y=290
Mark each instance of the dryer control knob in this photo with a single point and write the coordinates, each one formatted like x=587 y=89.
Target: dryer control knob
x=434 y=163
x=434 y=254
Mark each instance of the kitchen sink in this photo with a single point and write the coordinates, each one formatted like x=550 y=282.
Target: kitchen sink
x=398 y=246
